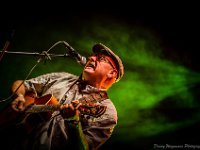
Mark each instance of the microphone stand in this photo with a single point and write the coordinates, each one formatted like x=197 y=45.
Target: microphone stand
x=44 y=53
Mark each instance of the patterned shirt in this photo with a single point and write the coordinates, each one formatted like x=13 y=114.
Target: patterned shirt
x=53 y=134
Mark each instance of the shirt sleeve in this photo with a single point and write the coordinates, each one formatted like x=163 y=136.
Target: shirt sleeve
x=98 y=130
x=43 y=82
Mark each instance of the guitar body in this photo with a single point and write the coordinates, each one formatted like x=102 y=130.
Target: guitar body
x=40 y=109
x=48 y=99
x=30 y=119
x=9 y=117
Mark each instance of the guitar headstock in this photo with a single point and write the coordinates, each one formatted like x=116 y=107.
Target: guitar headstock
x=92 y=110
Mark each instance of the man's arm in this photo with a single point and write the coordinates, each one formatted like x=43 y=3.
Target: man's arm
x=8 y=115
x=18 y=87
x=76 y=135
x=71 y=118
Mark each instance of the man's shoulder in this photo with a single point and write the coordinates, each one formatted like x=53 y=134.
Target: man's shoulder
x=56 y=75
x=61 y=74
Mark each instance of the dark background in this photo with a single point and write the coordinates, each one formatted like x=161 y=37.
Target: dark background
x=176 y=24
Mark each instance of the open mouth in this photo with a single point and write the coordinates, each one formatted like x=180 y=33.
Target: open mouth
x=91 y=64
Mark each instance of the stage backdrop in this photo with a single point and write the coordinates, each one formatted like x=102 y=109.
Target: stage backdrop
x=158 y=97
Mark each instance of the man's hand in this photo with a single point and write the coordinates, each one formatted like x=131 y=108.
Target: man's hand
x=18 y=103
x=70 y=111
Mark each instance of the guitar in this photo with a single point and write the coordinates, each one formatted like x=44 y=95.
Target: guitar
x=49 y=103
x=37 y=108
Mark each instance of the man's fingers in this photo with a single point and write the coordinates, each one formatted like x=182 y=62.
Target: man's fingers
x=79 y=104
x=76 y=104
x=68 y=106
x=71 y=107
x=14 y=107
x=18 y=104
x=21 y=106
x=70 y=110
x=75 y=101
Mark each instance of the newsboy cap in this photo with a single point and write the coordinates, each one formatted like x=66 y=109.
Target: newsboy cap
x=99 y=47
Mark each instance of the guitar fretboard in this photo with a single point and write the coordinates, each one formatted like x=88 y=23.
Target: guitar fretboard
x=94 y=111
x=42 y=108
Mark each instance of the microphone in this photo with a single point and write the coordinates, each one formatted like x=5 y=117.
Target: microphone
x=79 y=58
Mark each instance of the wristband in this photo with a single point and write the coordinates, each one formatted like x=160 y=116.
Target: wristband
x=73 y=121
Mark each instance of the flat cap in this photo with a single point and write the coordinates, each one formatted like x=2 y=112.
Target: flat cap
x=99 y=47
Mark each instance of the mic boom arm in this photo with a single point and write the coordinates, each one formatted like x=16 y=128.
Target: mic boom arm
x=72 y=53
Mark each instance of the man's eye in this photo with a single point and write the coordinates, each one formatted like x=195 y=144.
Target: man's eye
x=100 y=58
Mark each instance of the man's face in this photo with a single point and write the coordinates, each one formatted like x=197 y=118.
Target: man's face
x=97 y=68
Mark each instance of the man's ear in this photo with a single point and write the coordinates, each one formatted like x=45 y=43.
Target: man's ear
x=112 y=74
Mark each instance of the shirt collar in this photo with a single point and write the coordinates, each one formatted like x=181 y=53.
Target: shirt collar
x=91 y=89
x=86 y=88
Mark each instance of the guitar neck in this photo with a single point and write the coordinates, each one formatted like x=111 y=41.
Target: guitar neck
x=42 y=108
x=48 y=103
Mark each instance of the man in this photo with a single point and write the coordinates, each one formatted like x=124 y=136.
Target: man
x=85 y=118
